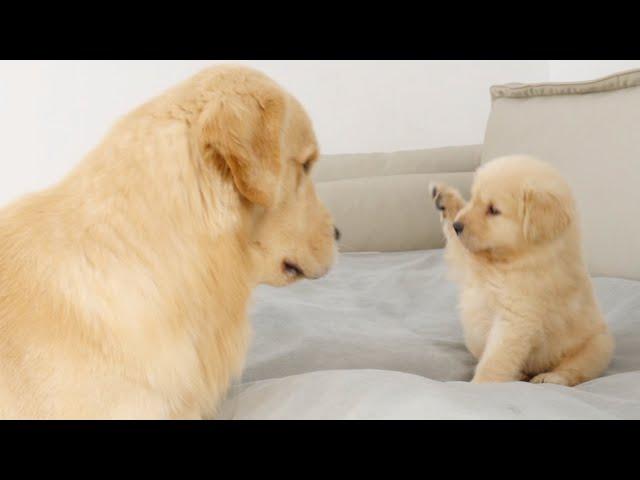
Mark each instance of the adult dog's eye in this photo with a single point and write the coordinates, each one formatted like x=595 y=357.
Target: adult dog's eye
x=492 y=210
x=306 y=166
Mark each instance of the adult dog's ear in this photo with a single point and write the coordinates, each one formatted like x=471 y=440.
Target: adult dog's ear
x=244 y=132
x=545 y=215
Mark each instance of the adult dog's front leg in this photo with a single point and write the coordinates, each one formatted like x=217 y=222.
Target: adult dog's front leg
x=505 y=353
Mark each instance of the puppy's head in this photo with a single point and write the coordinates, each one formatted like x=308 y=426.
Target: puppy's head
x=516 y=202
x=260 y=137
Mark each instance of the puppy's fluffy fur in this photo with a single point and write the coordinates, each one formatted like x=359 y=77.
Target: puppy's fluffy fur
x=124 y=288
x=527 y=303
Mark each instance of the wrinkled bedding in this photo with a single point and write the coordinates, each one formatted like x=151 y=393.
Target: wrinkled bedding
x=379 y=338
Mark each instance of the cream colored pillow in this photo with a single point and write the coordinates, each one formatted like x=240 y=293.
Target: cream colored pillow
x=464 y=158
x=388 y=213
x=591 y=132
x=381 y=202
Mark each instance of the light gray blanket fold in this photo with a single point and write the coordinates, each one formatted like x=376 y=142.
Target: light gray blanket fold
x=379 y=337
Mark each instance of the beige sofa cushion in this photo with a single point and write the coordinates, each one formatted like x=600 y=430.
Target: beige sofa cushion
x=380 y=201
x=591 y=132
x=388 y=213
x=464 y=158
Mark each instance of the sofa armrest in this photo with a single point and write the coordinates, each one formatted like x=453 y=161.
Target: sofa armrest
x=381 y=202
x=464 y=158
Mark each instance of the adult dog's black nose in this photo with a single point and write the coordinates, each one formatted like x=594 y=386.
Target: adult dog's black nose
x=458 y=227
x=336 y=233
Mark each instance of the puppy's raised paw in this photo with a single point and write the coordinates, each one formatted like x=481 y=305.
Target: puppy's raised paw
x=433 y=188
x=446 y=199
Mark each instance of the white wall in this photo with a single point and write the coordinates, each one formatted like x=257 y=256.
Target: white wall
x=577 y=70
x=52 y=112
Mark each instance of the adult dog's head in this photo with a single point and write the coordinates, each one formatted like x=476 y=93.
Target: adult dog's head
x=516 y=202
x=259 y=138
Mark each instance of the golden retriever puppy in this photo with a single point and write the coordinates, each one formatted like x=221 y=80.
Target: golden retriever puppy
x=526 y=300
x=124 y=287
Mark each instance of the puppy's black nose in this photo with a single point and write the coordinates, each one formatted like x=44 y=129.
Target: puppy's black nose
x=336 y=233
x=458 y=227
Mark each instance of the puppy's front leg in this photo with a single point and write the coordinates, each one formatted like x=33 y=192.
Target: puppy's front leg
x=449 y=202
x=447 y=199
x=505 y=353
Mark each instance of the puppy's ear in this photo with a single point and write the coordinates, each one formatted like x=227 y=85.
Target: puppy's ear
x=545 y=215
x=244 y=132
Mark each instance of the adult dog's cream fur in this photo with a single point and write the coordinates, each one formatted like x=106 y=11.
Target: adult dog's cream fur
x=124 y=288
x=527 y=303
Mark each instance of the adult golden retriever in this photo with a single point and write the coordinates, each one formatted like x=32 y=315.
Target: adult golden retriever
x=124 y=288
x=527 y=303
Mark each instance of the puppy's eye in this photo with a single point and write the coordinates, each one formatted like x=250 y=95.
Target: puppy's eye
x=492 y=210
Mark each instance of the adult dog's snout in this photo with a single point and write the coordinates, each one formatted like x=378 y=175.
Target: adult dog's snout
x=458 y=227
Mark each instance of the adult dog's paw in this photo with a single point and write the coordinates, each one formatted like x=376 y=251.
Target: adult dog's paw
x=551 y=377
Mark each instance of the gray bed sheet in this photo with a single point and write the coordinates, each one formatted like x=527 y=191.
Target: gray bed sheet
x=379 y=337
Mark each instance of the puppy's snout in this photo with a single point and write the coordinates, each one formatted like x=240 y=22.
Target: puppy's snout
x=336 y=233
x=458 y=227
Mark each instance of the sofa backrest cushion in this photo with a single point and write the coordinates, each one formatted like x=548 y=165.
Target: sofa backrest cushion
x=591 y=132
x=381 y=202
